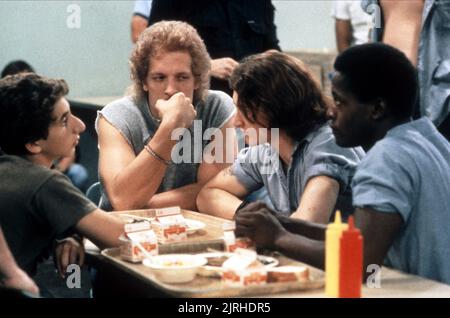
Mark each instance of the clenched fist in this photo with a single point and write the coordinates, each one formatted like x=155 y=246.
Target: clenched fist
x=177 y=110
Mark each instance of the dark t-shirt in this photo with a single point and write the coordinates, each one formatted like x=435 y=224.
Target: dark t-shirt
x=37 y=205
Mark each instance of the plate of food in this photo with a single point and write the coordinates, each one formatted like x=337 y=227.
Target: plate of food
x=129 y=218
x=193 y=226
x=215 y=260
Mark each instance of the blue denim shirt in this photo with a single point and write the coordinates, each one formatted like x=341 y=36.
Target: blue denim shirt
x=408 y=173
x=433 y=63
x=316 y=155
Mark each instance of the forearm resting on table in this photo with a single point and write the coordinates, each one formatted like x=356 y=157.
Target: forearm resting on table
x=218 y=202
x=302 y=248
x=314 y=231
x=183 y=197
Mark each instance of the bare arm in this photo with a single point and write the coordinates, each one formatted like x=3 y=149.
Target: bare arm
x=372 y=223
x=267 y=232
x=131 y=180
x=343 y=30
x=138 y=25
x=101 y=228
x=223 y=67
x=290 y=237
x=318 y=200
x=10 y=273
x=403 y=20
x=222 y=195
x=186 y=196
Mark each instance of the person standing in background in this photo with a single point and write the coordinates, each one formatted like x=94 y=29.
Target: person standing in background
x=352 y=24
x=231 y=29
x=139 y=20
x=421 y=29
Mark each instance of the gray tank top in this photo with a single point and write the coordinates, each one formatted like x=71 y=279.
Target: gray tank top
x=135 y=122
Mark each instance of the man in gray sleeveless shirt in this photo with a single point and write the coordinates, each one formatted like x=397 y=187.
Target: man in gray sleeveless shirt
x=141 y=164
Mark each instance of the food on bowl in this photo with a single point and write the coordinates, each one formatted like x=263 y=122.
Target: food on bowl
x=175 y=268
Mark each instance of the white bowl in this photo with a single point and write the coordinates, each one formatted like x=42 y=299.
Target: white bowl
x=175 y=268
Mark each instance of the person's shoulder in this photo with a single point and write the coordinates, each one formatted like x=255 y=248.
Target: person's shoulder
x=321 y=137
x=322 y=141
x=254 y=154
x=17 y=167
x=124 y=102
x=121 y=109
x=217 y=97
x=216 y=109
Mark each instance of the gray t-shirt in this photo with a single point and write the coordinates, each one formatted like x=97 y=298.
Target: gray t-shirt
x=408 y=172
x=316 y=155
x=37 y=205
x=137 y=125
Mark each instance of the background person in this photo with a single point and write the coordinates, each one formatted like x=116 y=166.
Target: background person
x=352 y=25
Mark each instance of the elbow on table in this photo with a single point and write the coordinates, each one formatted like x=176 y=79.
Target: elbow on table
x=202 y=200
x=121 y=202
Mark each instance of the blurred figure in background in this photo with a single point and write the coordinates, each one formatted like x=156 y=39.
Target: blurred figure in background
x=16 y=67
x=352 y=24
x=139 y=20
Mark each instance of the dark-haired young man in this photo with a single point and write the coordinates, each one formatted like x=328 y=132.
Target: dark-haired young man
x=306 y=174
x=38 y=204
x=400 y=189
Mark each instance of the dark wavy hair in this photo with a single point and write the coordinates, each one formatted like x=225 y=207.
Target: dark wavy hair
x=27 y=101
x=377 y=70
x=279 y=87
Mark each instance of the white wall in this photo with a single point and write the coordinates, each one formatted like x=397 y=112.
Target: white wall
x=304 y=24
x=93 y=58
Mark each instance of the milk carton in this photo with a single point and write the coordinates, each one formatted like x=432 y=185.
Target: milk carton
x=243 y=269
x=135 y=234
x=231 y=241
x=169 y=225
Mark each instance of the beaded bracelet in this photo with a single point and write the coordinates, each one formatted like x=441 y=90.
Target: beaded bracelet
x=156 y=156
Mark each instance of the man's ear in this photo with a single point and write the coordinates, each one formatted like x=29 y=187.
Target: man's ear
x=34 y=147
x=379 y=109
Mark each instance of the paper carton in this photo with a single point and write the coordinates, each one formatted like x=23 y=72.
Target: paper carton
x=170 y=225
x=138 y=233
x=243 y=269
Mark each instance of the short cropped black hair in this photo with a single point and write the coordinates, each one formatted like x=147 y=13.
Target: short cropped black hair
x=377 y=70
x=280 y=87
x=27 y=101
x=16 y=67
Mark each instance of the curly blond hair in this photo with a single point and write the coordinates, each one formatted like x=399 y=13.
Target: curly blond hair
x=169 y=36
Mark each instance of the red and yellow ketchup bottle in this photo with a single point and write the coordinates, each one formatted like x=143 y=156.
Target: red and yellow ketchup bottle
x=351 y=262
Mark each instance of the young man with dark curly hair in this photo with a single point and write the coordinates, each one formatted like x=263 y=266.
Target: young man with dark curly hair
x=310 y=175
x=38 y=204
